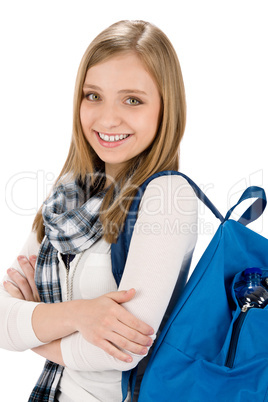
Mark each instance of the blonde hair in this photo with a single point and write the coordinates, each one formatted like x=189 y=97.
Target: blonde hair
x=159 y=57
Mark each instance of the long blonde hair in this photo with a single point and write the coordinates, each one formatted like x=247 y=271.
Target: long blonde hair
x=159 y=57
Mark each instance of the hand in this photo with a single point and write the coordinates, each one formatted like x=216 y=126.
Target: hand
x=108 y=325
x=25 y=288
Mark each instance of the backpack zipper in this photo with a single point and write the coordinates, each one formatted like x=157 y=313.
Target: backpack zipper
x=229 y=362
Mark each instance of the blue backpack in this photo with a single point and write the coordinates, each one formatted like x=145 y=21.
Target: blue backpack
x=209 y=350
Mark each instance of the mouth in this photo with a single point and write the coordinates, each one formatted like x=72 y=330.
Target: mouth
x=112 y=138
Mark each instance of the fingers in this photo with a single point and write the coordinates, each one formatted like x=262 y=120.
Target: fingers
x=128 y=339
x=123 y=296
x=28 y=268
x=22 y=283
x=125 y=332
x=134 y=326
x=25 y=285
x=112 y=330
x=127 y=346
x=127 y=318
x=119 y=347
x=113 y=351
x=107 y=324
x=13 y=290
x=132 y=322
x=131 y=340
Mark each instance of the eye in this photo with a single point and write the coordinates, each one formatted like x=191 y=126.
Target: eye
x=133 y=101
x=93 y=97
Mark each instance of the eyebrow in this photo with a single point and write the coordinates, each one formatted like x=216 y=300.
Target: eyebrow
x=92 y=87
x=134 y=91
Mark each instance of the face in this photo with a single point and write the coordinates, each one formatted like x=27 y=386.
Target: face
x=120 y=110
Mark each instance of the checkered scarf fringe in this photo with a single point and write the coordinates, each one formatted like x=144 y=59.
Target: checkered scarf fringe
x=72 y=225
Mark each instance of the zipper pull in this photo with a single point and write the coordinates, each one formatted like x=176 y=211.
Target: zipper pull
x=265 y=282
x=246 y=307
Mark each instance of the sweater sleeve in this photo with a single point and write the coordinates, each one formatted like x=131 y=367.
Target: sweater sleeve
x=16 y=332
x=163 y=241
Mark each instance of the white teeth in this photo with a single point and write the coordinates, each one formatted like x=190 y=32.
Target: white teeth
x=112 y=138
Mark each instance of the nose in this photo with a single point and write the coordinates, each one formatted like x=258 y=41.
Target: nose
x=110 y=116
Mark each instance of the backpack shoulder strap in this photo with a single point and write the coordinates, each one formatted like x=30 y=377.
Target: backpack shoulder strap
x=119 y=250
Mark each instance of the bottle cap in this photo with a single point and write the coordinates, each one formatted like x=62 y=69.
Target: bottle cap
x=253 y=270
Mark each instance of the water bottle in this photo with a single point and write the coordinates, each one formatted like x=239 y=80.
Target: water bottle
x=252 y=293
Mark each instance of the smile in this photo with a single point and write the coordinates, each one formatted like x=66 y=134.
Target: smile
x=113 y=138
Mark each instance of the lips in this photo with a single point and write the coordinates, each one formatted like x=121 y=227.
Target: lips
x=111 y=140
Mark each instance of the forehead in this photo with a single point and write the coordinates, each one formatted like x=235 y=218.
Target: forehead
x=123 y=70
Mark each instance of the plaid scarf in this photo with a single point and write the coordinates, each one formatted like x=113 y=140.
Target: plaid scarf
x=72 y=225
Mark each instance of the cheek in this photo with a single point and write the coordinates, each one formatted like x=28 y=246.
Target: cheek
x=85 y=116
x=151 y=123
x=147 y=122
x=82 y=116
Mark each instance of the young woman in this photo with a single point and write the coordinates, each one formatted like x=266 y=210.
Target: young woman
x=129 y=119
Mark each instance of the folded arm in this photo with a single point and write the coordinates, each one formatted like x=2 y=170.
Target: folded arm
x=164 y=236
x=102 y=321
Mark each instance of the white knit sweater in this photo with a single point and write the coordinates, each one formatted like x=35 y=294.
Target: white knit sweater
x=163 y=241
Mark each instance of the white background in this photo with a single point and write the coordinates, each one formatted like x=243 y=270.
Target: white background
x=222 y=47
